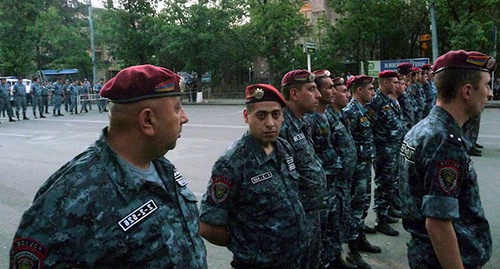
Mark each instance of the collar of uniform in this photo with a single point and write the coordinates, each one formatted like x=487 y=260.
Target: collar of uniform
x=257 y=150
x=287 y=114
x=125 y=181
x=451 y=125
x=361 y=108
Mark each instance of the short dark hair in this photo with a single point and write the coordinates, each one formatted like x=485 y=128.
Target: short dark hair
x=448 y=81
x=285 y=90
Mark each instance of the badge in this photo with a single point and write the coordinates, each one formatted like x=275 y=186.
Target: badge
x=138 y=215
x=220 y=189
x=28 y=253
x=259 y=178
x=448 y=175
x=179 y=178
x=298 y=137
x=290 y=163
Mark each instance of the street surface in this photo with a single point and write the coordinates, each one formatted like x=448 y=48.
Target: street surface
x=32 y=150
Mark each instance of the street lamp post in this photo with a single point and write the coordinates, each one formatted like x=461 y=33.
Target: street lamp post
x=92 y=47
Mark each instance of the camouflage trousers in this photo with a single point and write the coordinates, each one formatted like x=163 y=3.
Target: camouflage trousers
x=361 y=193
x=386 y=177
x=335 y=221
x=311 y=254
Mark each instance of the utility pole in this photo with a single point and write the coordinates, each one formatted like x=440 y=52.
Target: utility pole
x=92 y=47
x=434 y=32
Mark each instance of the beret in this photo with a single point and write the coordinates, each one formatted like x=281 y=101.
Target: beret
x=142 y=82
x=404 y=68
x=297 y=77
x=461 y=59
x=426 y=67
x=415 y=70
x=263 y=92
x=359 y=80
x=321 y=74
x=338 y=81
x=387 y=74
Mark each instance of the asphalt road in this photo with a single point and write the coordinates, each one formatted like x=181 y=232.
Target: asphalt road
x=32 y=150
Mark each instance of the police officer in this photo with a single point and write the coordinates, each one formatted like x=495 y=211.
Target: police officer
x=57 y=95
x=74 y=90
x=418 y=94
x=386 y=128
x=442 y=207
x=5 y=99
x=36 y=91
x=252 y=203
x=321 y=135
x=407 y=105
x=299 y=89
x=101 y=103
x=359 y=124
x=19 y=92
x=67 y=95
x=45 y=97
x=120 y=203
x=85 y=91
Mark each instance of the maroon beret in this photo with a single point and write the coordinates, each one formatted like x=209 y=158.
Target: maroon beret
x=461 y=59
x=359 y=80
x=297 y=77
x=321 y=74
x=263 y=92
x=387 y=74
x=426 y=67
x=338 y=81
x=415 y=70
x=404 y=68
x=142 y=82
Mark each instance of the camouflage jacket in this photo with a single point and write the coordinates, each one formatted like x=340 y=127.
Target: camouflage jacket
x=386 y=123
x=438 y=180
x=93 y=212
x=360 y=126
x=255 y=196
x=312 y=182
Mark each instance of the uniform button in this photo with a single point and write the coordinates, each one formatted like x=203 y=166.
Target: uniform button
x=460 y=139
x=451 y=135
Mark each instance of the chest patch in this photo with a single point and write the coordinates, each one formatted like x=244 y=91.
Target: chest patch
x=298 y=137
x=258 y=178
x=220 y=189
x=290 y=163
x=448 y=175
x=138 y=215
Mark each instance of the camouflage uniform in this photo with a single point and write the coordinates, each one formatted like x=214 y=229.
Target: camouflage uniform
x=45 y=98
x=19 y=91
x=95 y=212
x=439 y=181
x=57 y=95
x=312 y=181
x=344 y=144
x=74 y=90
x=386 y=129
x=418 y=95
x=429 y=99
x=36 y=90
x=332 y=164
x=255 y=196
x=408 y=111
x=360 y=126
x=5 y=99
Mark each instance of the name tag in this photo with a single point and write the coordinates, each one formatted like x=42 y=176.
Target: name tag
x=261 y=177
x=408 y=152
x=138 y=215
x=290 y=163
x=298 y=137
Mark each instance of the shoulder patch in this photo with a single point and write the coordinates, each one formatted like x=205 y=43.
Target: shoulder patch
x=179 y=178
x=28 y=253
x=219 y=189
x=448 y=175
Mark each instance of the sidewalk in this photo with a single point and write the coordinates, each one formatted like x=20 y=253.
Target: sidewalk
x=489 y=104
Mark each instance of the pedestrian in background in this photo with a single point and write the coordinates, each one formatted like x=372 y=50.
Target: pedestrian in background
x=19 y=92
x=57 y=97
x=5 y=99
x=441 y=203
x=252 y=204
x=120 y=203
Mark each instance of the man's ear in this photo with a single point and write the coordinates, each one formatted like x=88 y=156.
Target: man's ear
x=466 y=91
x=245 y=115
x=146 y=121
x=294 y=92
